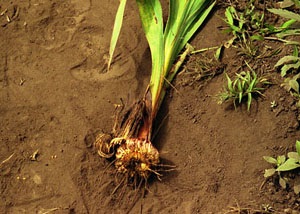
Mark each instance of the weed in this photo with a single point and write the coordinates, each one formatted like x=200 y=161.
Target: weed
x=245 y=27
x=248 y=26
x=245 y=85
x=288 y=28
x=292 y=85
x=284 y=164
x=273 y=104
x=289 y=63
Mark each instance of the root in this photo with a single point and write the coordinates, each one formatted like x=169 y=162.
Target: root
x=137 y=157
x=118 y=186
x=106 y=169
x=129 y=146
x=245 y=210
x=103 y=145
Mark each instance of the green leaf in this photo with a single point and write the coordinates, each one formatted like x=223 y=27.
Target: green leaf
x=288 y=165
x=249 y=101
x=288 y=67
x=298 y=147
x=286 y=60
x=269 y=172
x=239 y=86
x=252 y=84
x=218 y=53
x=297 y=3
x=116 y=30
x=292 y=32
x=288 y=42
x=287 y=24
x=293 y=66
x=228 y=16
x=297 y=185
x=280 y=160
x=294 y=85
x=229 y=83
x=257 y=37
x=240 y=97
x=152 y=22
x=282 y=182
x=286 y=3
x=185 y=18
x=285 y=14
x=270 y=160
x=294 y=155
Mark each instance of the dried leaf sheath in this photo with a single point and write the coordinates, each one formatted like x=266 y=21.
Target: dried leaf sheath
x=130 y=144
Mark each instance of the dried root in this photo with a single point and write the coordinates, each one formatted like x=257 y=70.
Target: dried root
x=133 y=156
x=137 y=156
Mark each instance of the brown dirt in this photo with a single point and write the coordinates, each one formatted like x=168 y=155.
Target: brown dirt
x=55 y=93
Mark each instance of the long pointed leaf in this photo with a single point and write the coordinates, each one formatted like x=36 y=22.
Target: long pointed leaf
x=182 y=25
x=116 y=30
x=152 y=22
x=286 y=14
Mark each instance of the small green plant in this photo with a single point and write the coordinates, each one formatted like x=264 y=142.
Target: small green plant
x=277 y=162
x=245 y=85
x=284 y=164
x=291 y=84
x=287 y=29
x=289 y=63
x=246 y=26
x=243 y=25
x=273 y=104
x=249 y=25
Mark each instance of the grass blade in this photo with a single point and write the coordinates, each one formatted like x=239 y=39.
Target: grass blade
x=116 y=30
x=249 y=101
x=185 y=17
x=298 y=147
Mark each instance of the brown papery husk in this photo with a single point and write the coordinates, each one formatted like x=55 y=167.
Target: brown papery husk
x=130 y=143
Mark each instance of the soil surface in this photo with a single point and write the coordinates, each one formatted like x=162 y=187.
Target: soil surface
x=55 y=93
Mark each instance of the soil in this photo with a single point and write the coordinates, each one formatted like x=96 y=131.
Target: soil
x=55 y=93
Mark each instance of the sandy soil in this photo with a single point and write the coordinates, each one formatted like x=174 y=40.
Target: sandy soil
x=55 y=93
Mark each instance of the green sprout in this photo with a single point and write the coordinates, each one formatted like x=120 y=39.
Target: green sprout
x=273 y=104
x=245 y=85
x=284 y=164
x=287 y=29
